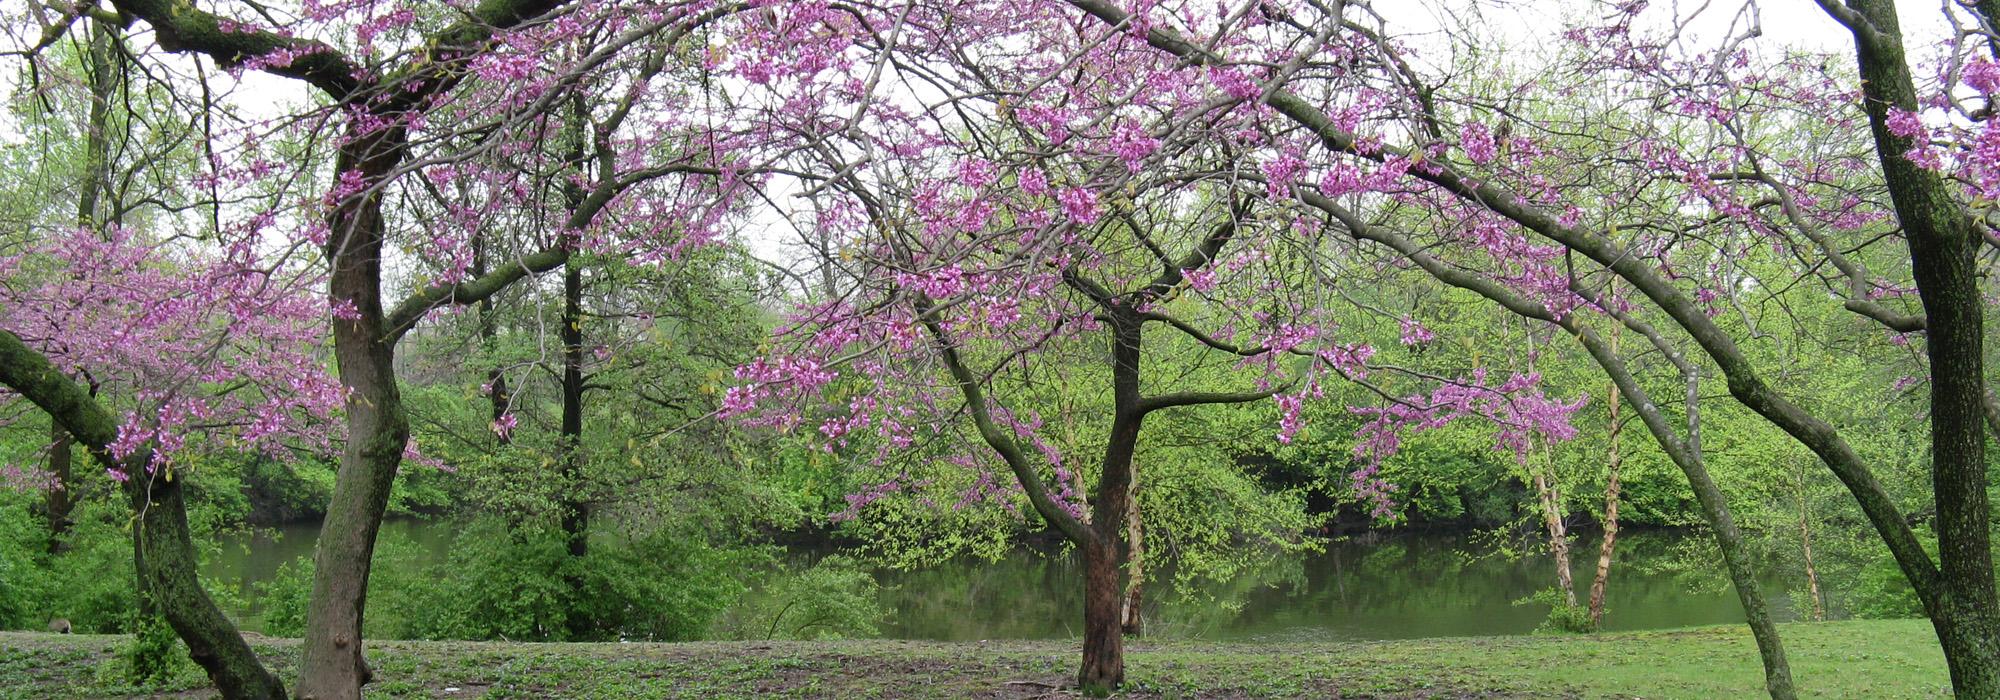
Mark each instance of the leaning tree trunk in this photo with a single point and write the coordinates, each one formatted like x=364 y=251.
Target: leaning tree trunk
x=332 y=665
x=1777 y=669
x=163 y=553
x=166 y=562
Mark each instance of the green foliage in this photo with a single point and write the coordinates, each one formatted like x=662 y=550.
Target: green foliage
x=91 y=584
x=834 y=598
x=285 y=596
x=519 y=583
x=1565 y=617
x=154 y=656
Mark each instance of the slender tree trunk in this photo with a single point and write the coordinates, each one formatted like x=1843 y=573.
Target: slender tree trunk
x=576 y=502
x=103 y=66
x=332 y=665
x=1614 y=429
x=497 y=396
x=1552 y=520
x=1777 y=669
x=1607 y=547
x=1132 y=619
x=1805 y=547
x=61 y=498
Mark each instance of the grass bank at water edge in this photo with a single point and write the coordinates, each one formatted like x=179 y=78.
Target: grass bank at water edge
x=1855 y=659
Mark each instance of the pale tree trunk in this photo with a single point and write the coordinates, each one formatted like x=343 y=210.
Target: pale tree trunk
x=1805 y=548
x=1552 y=520
x=1614 y=430
x=1132 y=619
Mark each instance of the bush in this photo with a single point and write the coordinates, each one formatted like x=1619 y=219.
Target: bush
x=1564 y=617
x=834 y=598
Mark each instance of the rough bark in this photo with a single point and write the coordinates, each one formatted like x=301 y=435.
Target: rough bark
x=1105 y=575
x=1962 y=602
x=1132 y=618
x=332 y=665
x=164 y=554
x=60 y=500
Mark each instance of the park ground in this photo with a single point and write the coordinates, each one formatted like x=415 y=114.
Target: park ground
x=1854 y=659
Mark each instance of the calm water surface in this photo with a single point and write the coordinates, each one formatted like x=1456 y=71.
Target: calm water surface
x=1390 y=587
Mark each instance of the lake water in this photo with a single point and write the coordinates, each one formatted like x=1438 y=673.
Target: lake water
x=1385 y=587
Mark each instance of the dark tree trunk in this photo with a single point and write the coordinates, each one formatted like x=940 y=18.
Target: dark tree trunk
x=332 y=666
x=103 y=65
x=576 y=504
x=1105 y=575
x=163 y=553
x=1961 y=600
x=61 y=498
x=165 y=557
x=1103 y=642
x=497 y=396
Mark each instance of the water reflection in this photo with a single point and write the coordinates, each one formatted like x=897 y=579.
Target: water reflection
x=1395 y=587
x=1390 y=587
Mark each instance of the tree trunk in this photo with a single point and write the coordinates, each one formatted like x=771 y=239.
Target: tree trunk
x=497 y=397
x=1131 y=618
x=165 y=557
x=1105 y=558
x=1552 y=520
x=1777 y=670
x=332 y=666
x=1614 y=430
x=163 y=553
x=61 y=499
x=576 y=504
x=103 y=65
x=1103 y=667
x=1959 y=594
x=1818 y=601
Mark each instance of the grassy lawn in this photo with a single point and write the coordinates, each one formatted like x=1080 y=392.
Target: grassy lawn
x=1859 y=659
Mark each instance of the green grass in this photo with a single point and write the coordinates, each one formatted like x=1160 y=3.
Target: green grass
x=1858 y=659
